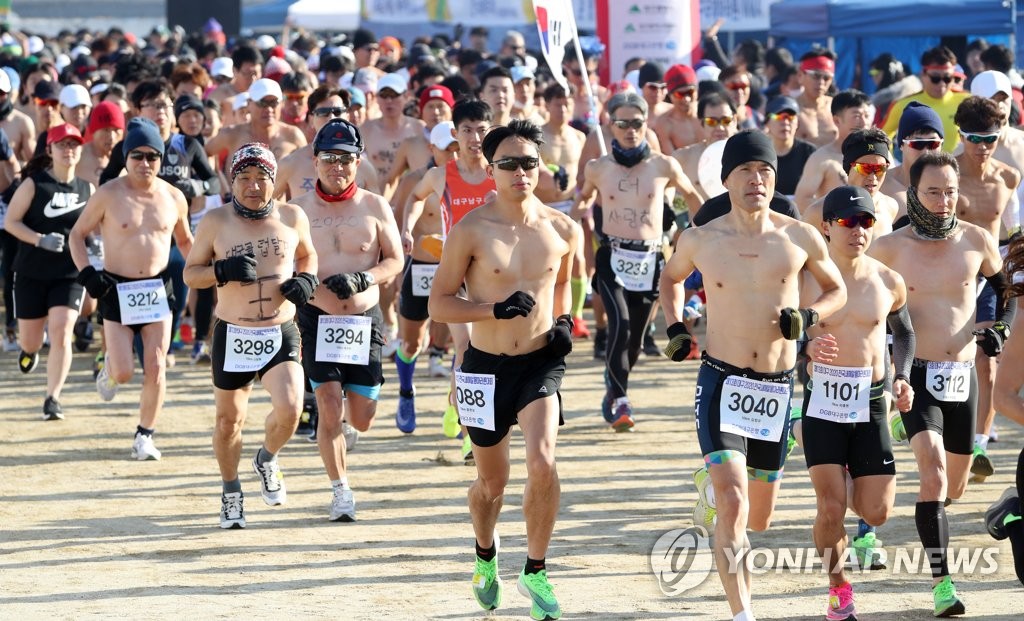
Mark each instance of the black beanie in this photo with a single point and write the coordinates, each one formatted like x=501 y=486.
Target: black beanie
x=748 y=146
x=188 y=102
x=860 y=143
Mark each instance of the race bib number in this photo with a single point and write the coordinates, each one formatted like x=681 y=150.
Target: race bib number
x=423 y=278
x=142 y=301
x=343 y=339
x=250 y=349
x=635 y=268
x=474 y=397
x=950 y=381
x=754 y=409
x=840 y=394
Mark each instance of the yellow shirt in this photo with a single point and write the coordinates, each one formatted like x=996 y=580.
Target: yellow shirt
x=945 y=108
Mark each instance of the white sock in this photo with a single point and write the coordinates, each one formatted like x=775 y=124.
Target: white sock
x=981 y=439
x=746 y=615
x=340 y=483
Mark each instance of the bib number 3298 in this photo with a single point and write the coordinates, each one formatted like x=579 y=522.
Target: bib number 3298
x=250 y=349
x=343 y=339
x=142 y=301
x=474 y=398
x=754 y=409
x=950 y=381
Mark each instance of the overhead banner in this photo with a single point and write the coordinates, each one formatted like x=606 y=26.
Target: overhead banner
x=666 y=31
x=739 y=15
x=490 y=13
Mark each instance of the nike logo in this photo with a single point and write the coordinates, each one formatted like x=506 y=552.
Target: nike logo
x=886 y=462
x=854 y=198
x=291 y=354
x=62 y=203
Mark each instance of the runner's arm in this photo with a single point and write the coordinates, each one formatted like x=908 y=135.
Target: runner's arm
x=14 y=220
x=825 y=272
x=88 y=221
x=199 y=272
x=1010 y=376
x=685 y=186
x=182 y=230
x=444 y=304
x=305 y=254
x=673 y=277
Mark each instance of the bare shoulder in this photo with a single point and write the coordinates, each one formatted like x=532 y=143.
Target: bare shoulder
x=292 y=133
x=376 y=203
x=302 y=201
x=291 y=214
x=801 y=233
x=566 y=226
x=1007 y=173
x=977 y=237
x=890 y=278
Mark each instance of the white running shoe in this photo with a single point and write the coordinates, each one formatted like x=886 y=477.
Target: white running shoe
x=389 y=348
x=437 y=367
x=343 y=506
x=143 y=448
x=232 y=514
x=11 y=342
x=271 y=482
x=106 y=386
x=351 y=435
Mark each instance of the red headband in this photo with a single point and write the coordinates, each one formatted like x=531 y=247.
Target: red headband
x=818 y=63
x=945 y=67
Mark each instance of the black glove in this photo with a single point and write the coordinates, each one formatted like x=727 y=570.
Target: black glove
x=189 y=187
x=793 y=322
x=346 y=285
x=992 y=339
x=299 y=289
x=97 y=282
x=239 y=268
x=560 y=337
x=519 y=304
x=561 y=178
x=679 y=340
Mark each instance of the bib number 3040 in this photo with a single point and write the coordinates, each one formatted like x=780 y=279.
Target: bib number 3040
x=474 y=398
x=950 y=381
x=754 y=409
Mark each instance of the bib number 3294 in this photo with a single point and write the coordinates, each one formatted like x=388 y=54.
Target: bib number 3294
x=635 y=268
x=142 y=301
x=950 y=381
x=343 y=339
x=474 y=398
x=250 y=349
x=754 y=409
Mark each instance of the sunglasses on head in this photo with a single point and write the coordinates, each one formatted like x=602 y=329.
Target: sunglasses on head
x=922 y=144
x=684 y=92
x=739 y=85
x=936 y=78
x=710 y=121
x=628 y=123
x=781 y=116
x=336 y=158
x=870 y=169
x=141 y=155
x=863 y=220
x=974 y=138
x=512 y=164
x=333 y=111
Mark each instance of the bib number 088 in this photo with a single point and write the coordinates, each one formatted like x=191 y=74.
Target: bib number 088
x=470 y=397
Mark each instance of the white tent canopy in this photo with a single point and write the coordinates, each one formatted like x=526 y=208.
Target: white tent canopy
x=325 y=14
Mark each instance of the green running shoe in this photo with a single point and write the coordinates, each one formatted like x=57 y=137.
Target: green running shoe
x=467 y=452
x=981 y=465
x=450 y=421
x=947 y=604
x=486 y=582
x=541 y=593
x=704 y=512
x=896 y=428
x=865 y=549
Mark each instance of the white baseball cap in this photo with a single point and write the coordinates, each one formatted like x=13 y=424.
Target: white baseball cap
x=5 y=82
x=987 y=83
x=393 y=81
x=442 y=135
x=263 y=88
x=265 y=42
x=74 y=95
x=239 y=101
x=223 y=67
x=520 y=73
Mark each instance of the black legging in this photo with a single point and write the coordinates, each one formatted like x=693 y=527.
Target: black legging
x=1016 y=529
x=628 y=315
x=8 y=247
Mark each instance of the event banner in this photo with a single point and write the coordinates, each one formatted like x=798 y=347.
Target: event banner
x=739 y=15
x=666 y=31
x=490 y=13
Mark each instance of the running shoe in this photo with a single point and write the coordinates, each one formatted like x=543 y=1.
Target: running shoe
x=11 y=341
x=704 y=512
x=83 y=333
x=52 y=409
x=993 y=434
x=106 y=386
x=437 y=368
x=143 y=448
x=622 y=416
x=650 y=347
x=97 y=364
x=579 y=328
x=1004 y=511
x=271 y=482
x=387 y=352
x=541 y=594
x=840 y=604
x=896 y=428
x=450 y=421
x=343 y=506
x=795 y=414
x=866 y=550
x=351 y=435
x=467 y=452
x=232 y=514
x=947 y=603
x=606 y=407
x=405 y=417
x=486 y=582
x=981 y=465
x=27 y=362
x=201 y=353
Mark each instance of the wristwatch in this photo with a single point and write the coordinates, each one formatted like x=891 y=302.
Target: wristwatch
x=370 y=280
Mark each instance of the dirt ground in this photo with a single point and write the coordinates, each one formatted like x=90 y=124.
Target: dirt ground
x=87 y=533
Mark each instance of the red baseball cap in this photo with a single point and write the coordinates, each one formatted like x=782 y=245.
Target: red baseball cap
x=106 y=114
x=60 y=132
x=678 y=76
x=436 y=92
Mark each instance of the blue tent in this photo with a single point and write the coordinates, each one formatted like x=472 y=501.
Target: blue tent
x=860 y=30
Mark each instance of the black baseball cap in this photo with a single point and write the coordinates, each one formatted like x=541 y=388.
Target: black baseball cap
x=846 y=201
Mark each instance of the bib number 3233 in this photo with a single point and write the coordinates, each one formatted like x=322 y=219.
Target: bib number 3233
x=635 y=268
x=474 y=397
x=754 y=409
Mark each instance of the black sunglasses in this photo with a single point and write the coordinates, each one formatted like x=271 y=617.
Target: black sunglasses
x=511 y=164
x=628 y=123
x=935 y=78
x=334 y=111
x=863 y=220
x=922 y=144
x=149 y=157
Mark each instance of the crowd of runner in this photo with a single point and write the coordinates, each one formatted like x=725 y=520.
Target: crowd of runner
x=305 y=212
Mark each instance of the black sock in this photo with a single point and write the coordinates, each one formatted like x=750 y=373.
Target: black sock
x=533 y=566
x=140 y=430
x=231 y=487
x=933 y=528
x=486 y=554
